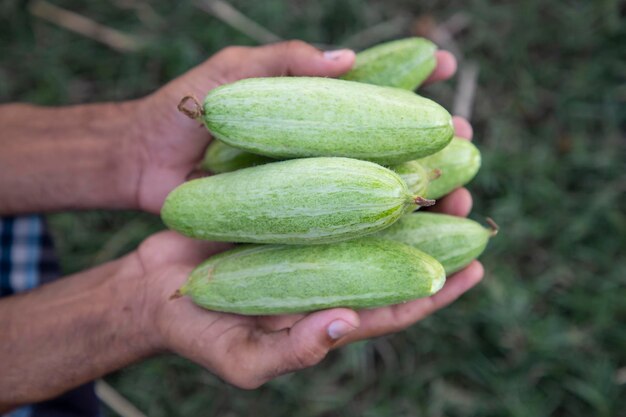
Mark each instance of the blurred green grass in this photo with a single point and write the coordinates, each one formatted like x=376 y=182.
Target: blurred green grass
x=542 y=335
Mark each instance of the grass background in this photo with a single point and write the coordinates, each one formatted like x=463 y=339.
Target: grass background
x=543 y=334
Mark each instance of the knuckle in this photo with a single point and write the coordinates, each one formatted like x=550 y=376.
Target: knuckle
x=405 y=315
x=294 y=44
x=402 y=316
x=301 y=359
x=309 y=355
x=245 y=374
x=232 y=51
x=241 y=377
x=148 y=244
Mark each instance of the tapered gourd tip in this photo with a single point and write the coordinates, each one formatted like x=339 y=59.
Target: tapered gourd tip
x=493 y=226
x=177 y=294
x=423 y=202
x=190 y=107
x=438 y=283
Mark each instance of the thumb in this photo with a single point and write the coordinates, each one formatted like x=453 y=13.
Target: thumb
x=298 y=58
x=307 y=342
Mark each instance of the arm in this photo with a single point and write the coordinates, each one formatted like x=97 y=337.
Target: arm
x=79 y=328
x=71 y=331
x=66 y=158
x=132 y=154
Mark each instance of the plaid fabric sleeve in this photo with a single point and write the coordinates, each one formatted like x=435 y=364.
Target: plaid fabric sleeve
x=27 y=260
x=22 y=254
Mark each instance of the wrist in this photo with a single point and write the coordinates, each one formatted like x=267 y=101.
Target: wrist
x=166 y=147
x=126 y=153
x=134 y=310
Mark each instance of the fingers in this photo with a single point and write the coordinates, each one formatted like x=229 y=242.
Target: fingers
x=300 y=58
x=390 y=319
x=458 y=284
x=462 y=128
x=457 y=203
x=446 y=67
x=294 y=58
x=303 y=345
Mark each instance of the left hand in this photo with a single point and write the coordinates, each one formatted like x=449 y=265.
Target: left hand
x=168 y=145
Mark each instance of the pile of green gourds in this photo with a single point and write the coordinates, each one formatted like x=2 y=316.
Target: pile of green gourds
x=323 y=177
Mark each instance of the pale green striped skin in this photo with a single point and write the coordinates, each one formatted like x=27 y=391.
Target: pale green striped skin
x=295 y=117
x=313 y=200
x=453 y=241
x=458 y=162
x=405 y=63
x=279 y=279
x=220 y=157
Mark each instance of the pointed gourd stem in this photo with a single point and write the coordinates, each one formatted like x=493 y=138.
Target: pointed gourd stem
x=434 y=174
x=493 y=226
x=177 y=294
x=193 y=113
x=423 y=202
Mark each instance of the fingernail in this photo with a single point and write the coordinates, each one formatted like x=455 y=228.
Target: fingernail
x=338 y=329
x=337 y=54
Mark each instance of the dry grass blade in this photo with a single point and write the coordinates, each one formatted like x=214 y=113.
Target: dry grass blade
x=456 y=23
x=378 y=33
x=80 y=24
x=115 y=401
x=441 y=34
x=237 y=20
x=144 y=10
x=464 y=97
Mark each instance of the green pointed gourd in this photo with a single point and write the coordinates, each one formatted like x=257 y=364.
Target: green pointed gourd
x=220 y=158
x=300 y=201
x=280 y=279
x=404 y=63
x=458 y=162
x=453 y=241
x=297 y=117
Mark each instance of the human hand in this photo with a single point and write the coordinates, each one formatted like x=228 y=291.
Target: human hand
x=168 y=146
x=249 y=350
